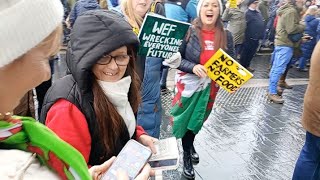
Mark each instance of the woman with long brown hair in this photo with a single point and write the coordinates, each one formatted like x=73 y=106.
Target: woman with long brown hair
x=94 y=107
x=195 y=91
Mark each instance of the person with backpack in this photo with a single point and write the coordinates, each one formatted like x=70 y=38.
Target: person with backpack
x=148 y=68
x=288 y=35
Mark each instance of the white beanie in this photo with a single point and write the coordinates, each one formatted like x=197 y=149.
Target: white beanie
x=24 y=24
x=313 y=7
x=200 y=4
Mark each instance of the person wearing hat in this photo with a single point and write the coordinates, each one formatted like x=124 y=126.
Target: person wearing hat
x=254 y=32
x=195 y=91
x=30 y=32
x=94 y=107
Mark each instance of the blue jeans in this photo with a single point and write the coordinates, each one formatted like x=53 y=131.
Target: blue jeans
x=308 y=163
x=149 y=112
x=302 y=62
x=282 y=56
x=272 y=58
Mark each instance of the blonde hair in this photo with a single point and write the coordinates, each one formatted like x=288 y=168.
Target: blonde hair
x=134 y=19
x=312 y=10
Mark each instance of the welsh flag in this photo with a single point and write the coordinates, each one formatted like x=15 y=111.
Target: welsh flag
x=192 y=103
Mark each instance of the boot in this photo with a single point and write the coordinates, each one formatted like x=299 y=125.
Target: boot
x=282 y=82
x=194 y=155
x=188 y=170
x=250 y=69
x=284 y=85
x=279 y=91
x=275 y=98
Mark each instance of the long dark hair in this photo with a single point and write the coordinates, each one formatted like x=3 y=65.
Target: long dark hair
x=110 y=123
x=220 y=36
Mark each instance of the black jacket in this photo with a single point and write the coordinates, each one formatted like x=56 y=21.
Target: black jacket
x=255 y=25
x=190 y=50
x=94 y=34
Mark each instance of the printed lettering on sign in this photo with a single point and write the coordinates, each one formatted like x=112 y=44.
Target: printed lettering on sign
x=161 y=37
x=227 y=72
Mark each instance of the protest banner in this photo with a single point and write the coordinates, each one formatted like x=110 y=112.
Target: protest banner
x=233 y=3
x=161 y=37
x=226 y=72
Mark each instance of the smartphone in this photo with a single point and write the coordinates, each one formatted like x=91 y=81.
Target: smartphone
x=132 y=158
x=166 y=164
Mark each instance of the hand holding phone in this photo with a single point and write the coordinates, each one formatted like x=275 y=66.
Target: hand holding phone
x=131 y=160
x=143 y=175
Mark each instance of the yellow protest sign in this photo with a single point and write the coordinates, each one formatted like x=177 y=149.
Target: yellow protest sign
x=226 y=72
x=233 y=3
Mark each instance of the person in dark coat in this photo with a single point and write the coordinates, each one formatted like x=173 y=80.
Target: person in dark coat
x=311 y=29
x=80 y=7
x=254 y=32
x=94 y=107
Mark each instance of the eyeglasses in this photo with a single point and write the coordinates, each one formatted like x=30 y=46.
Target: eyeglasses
x=121 y=60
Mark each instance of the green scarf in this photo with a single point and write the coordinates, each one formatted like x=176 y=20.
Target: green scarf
x=25 y=133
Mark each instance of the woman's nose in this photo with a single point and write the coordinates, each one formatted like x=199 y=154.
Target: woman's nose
x=113 y=65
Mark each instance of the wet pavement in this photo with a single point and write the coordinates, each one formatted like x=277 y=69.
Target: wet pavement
x=245 y=136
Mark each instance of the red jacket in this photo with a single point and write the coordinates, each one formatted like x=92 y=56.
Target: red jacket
x=73 y=127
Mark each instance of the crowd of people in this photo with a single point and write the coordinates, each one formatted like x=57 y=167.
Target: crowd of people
x=110 y=94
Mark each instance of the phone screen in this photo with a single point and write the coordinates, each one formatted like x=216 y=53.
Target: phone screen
x=131 y=159
x=163 y=163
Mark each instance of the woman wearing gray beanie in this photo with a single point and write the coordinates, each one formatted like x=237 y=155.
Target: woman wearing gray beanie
x=94 y=107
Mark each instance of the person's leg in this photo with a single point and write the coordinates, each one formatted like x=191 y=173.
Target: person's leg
x=244 y=54
x=187 y=143
x=282 y=56
x=238 y=49
x=302 y=63
x=308 y=163
x=282 y=82
x=149 y=112
x=254 y=44
x=164 y=75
